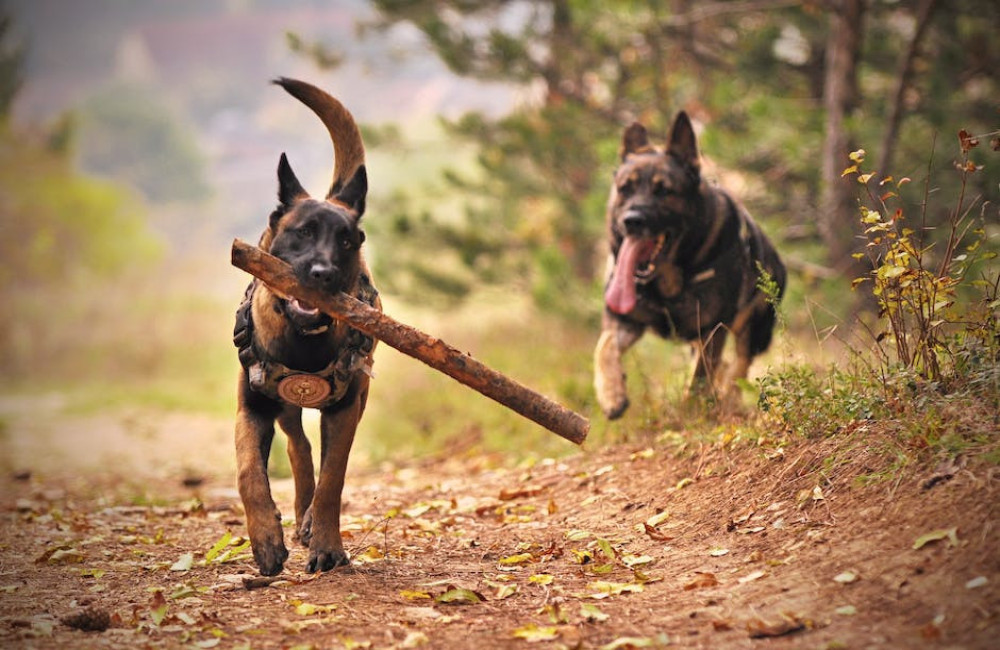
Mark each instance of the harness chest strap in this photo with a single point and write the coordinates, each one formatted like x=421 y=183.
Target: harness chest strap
x=304 y=389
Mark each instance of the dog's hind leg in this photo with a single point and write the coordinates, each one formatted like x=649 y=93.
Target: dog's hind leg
x=609 y=373
x=338 y=425
x=300 y=458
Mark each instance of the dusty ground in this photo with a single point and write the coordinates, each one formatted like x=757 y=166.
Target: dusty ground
x=661 y=543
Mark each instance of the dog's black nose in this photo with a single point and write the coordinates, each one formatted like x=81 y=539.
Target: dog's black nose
x=634 y=222
x=323 y=274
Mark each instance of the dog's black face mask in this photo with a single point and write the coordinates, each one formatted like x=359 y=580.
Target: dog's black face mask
x=320 y=240
x=322 y=243
x=653 y=203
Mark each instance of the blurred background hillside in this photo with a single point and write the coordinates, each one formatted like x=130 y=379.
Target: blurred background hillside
x=137 y=139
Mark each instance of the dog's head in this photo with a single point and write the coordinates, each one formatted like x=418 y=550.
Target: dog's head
x=321 y=239
x=653 y=202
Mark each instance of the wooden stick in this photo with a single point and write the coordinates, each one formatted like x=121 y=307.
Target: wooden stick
x=460 y=366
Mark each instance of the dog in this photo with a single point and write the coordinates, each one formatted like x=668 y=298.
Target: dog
x=686 y=261
x=293 y=356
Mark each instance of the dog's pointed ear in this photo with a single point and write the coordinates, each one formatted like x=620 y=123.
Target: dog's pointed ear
x=353 y=192
x=635 y=139
x=683 y=144
x=289 y=188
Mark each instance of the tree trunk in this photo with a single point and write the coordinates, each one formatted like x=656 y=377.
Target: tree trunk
x=904 y=76
x=838 y=213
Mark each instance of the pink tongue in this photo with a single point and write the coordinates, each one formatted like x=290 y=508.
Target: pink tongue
x=620 y=294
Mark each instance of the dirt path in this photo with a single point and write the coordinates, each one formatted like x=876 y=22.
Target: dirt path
x=670 y=543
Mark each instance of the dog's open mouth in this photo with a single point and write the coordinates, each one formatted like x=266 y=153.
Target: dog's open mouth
x=635 y=262
x=305 y=316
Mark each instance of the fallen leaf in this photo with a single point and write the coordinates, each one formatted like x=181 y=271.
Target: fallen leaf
x=506 y=591
x=718 y=552
x=370 y=555
x=413 y=594
x=846 y=578
x=414 y=640
x=683 y=483
x=654 y=534
x=591 y=613
x=310 y=609
x=575 y=535
x=606 y=549
x=602 y=589
x=701 y=581
x=975 y=583
x=183 y=563
x=788 y=623
x=756 y=575
x=642 y=455
x=541 y=579
x=555 y=613
x=533 y=633
x=749 y=531
x=631 y=561
x=61 y=554
x=658 y=519
x=626 y=642
x=459 y=596
x=951 y=534
x=515 y=560
x=847 y=610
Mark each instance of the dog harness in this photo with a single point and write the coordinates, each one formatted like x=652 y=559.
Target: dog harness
x=304 y=389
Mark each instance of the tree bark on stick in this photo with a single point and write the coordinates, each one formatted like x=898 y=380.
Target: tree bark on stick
x=278 y=276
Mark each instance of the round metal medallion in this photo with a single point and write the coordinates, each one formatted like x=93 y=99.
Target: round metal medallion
x=304 y=390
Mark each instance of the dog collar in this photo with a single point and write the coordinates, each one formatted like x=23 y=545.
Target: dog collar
x=304 y=389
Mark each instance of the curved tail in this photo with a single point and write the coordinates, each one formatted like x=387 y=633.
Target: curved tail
x=349 y=150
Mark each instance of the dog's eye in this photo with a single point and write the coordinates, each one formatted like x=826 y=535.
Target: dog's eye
x=660 y=188
x=346 y=243
x=627 y=188
x=308 y=231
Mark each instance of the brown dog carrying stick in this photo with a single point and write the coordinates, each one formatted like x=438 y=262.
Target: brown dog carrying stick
x=432 y=351
x=295 y=356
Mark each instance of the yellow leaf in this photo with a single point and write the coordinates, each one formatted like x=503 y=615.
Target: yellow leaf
x=591 y=613
x=853 y=169
x=857 y=156
x=864 y=178
x=520 y=558
x=542 y=579
x=371 y=554
x=951 y=534
x=658 y=519
x=414 y=595
x=459 y=596
x=533 y=633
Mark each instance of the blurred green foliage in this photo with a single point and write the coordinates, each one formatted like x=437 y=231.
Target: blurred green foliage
x=128 y=134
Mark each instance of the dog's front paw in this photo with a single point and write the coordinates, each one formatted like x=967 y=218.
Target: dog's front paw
x=270 y=557
x=615 y=411
x=326 y=560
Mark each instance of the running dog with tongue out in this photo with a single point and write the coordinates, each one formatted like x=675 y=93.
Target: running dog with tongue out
x=686 y=261
x=296 y=357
